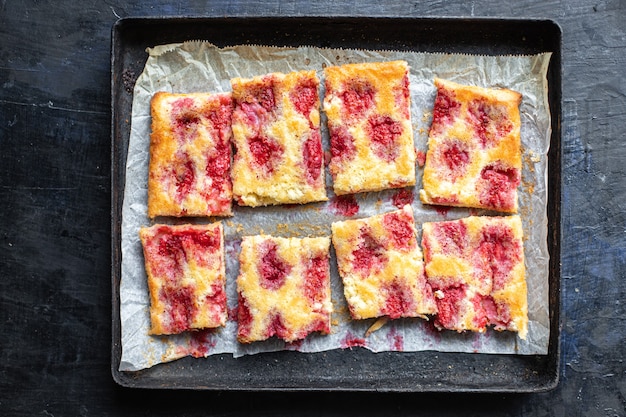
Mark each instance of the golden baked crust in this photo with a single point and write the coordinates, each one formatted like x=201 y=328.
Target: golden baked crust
x=474 y=150
x=369 y=121
x=381 y=266
x=186 y=276
x=276 y=131
x=190 y=155
x=283 y=288
x=475 y=267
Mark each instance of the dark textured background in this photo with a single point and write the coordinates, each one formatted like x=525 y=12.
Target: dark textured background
x=55 y=268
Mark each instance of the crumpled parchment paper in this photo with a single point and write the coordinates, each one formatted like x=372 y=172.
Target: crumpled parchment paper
x=200 y=66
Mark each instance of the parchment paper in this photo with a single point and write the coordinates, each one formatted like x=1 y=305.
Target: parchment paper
x=200 y=66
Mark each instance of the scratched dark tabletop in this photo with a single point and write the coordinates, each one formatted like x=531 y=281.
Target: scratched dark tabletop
x=55 y=232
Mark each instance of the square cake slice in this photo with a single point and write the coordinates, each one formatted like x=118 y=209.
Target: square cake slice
x=381 y=266
x=475 y=267
x=369 y=122
x=190 y=155
x=186 y=276
x=283 y=288
x=474 y=148
x=276 y=128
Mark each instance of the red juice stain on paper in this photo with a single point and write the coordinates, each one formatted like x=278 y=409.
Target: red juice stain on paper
x=396 y=341
x=344 y=205
x=327 y=157
x=442 y=210
x=232 y=313
x=232 y=248
x=431 y=330
x=477 y=342
x=403 y=197
x=350 y=341
x=201 y=343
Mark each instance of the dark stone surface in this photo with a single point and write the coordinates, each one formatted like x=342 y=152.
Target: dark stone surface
x=55 y=271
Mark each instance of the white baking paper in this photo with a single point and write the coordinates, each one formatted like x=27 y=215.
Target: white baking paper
x=200 y=66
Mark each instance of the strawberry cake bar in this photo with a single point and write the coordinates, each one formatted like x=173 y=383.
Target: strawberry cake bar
x=186 y=276
x=381 y=266
x=190 y=155
x=475 y=267
x=276 y=132
x=474 y=151
x=283 y=288
x=369 y=121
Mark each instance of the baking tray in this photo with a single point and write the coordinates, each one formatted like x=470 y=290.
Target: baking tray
x=354 y=369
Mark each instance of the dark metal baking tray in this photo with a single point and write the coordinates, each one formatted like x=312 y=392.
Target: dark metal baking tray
x=354 y=369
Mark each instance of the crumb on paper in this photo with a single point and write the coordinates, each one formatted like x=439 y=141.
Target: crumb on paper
x=534 y=157
x=377 y=325
x=529 y=159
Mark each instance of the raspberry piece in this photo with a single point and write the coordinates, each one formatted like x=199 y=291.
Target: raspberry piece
x=317 y=276
x=313 y=157
x=184 y=175
x=398 y=300
x=272 y=269
x=341 y=144
x=446 y=109
x=455 y=155
x=181 y=307
x=384 y=132
x=265 y=151
x=304 y=97
x=449 y=305
x=490 y=122
x=401 y=230
x=497 y=186
x=369 y=255
x=498 y=251
x=357 y=98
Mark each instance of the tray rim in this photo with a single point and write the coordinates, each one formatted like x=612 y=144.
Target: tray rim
x=130 y=379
